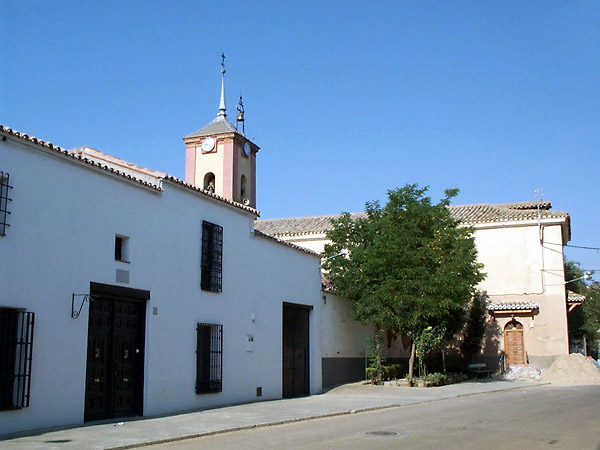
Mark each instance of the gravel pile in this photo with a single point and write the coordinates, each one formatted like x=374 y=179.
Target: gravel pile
x=572 y=369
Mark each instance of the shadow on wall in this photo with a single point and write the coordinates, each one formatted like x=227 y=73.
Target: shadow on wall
x=455 y=361
x=491 y=355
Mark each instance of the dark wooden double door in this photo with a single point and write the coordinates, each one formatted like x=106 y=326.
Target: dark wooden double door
x=115 y=357
x=296 y=351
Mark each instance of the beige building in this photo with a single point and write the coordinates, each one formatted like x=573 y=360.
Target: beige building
x=521 y=248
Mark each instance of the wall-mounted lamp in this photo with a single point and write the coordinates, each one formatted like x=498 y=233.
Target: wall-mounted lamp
x=343 y=252
x=585 y=276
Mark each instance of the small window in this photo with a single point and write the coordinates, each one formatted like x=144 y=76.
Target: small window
x=209 y=358
x=4 y=199
x=121 y=248
x=16 y=347
x=211 y=278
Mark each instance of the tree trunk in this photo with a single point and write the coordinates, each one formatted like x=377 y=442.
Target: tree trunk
x=444 y=359
x=378 y=354
x=411 y=360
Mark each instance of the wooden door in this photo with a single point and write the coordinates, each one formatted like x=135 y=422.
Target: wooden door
x=296 y=351
x=114 y=376
x=514 y=344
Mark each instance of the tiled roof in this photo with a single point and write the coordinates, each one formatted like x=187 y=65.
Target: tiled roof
x=467 y=214
x=211 y=195
x=133 y=173
x=260 y=234
x=218 y=126
x=142 y=173
x=573 y=297
x=80 y=157
x=516 y=306
x=504 y=212
x=299 y=225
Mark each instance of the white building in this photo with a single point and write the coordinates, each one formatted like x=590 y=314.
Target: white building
x=127 y=291
x=521 y=248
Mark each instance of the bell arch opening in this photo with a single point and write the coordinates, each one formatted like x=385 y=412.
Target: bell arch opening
x=209 y=182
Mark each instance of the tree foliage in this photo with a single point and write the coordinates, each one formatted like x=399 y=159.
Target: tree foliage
x=591 y=326
x=410 y=265
x=584 y=320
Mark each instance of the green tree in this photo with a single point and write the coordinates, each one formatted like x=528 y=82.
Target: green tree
x=591 y=311
x=409 y=265
x=576 y=318
x=584 y=320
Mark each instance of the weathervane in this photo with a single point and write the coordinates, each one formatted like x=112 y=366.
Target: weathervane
x=240 y=116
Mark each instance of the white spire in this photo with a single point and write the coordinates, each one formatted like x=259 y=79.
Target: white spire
x=222 y=103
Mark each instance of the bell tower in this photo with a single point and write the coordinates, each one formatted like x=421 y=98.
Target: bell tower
x=220 y=159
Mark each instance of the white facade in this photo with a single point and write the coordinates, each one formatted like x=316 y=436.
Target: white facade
x=64 y=216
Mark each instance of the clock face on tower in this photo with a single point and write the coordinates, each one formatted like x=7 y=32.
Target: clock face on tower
x=208 y=145
x=247 y=149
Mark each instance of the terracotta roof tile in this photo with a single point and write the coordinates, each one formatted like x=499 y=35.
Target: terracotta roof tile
x=218 y=126
x=260 y=234
x=467 y=214
x=516 y=306
x=573 y=297
x=133 y=173
x=80 y=157
x=211 y=195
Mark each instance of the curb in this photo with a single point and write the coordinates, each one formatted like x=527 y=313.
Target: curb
x=304 y=419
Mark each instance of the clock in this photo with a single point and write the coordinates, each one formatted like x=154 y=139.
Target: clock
x=247 y=149
x=208 y=145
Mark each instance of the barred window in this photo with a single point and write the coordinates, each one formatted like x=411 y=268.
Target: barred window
x=209 y=358
x=4 y=199
x=16 y=346
x=211 y=278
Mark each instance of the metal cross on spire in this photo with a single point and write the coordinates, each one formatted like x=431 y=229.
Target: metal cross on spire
x=222 y=103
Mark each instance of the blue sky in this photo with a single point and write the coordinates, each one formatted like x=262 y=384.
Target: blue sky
x=346 y=99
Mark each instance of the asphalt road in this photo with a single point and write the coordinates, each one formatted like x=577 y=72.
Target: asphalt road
x=541 y=417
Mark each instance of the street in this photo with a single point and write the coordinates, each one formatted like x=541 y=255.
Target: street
x=531 y=418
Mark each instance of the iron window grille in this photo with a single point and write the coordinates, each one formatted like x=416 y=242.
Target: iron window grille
x=209 y=358
x=4 y=199
x=211 y=278
x=16 y=348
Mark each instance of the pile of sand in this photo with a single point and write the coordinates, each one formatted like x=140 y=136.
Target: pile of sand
x=572 y=369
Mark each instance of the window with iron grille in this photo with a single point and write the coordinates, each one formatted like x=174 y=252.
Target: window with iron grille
x=209 y=358
x=211 y=278
x=16 y=346
x=4 y=199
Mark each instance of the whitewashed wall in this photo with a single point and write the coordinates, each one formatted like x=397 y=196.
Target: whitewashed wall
x=63 y=222
x=519 y=268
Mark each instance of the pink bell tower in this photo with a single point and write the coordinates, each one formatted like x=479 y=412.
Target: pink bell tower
x=220 y=159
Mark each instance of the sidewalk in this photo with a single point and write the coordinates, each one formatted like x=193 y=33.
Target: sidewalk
x=346 y=399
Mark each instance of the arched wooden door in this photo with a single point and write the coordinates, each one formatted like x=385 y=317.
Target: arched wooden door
x=514 y=343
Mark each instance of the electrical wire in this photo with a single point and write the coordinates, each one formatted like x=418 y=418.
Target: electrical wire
x=586 y=248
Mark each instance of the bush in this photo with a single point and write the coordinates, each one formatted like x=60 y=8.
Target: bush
x=435 y=379
x=372 y=375
x=393 y=371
